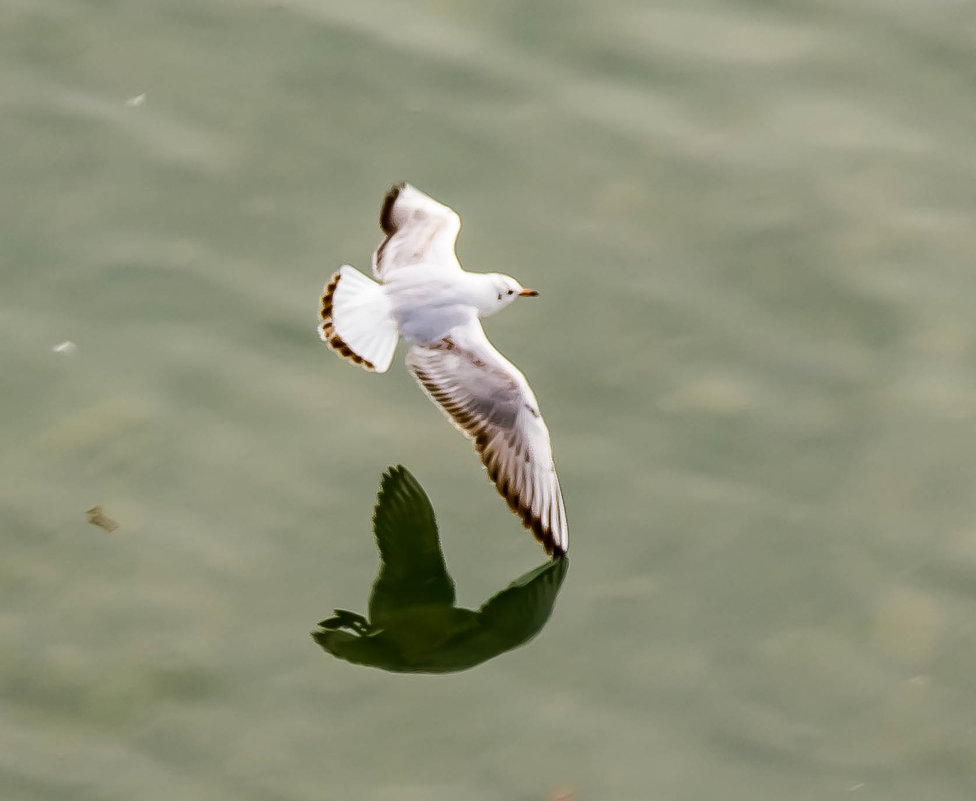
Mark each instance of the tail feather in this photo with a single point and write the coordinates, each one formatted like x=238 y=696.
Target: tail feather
x=357 y=320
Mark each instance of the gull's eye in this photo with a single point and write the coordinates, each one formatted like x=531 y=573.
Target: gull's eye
x=511 y=292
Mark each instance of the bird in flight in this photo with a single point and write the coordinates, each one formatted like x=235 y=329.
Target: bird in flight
x=422 y=294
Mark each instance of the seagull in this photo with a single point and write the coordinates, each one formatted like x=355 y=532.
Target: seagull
x=422 y=294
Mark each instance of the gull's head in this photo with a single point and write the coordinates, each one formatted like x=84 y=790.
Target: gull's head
x=503 y=290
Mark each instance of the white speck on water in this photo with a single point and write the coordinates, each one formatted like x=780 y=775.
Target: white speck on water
x=65 y=347
x=135 y=102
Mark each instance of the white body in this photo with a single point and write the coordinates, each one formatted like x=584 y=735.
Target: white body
x=425 y=310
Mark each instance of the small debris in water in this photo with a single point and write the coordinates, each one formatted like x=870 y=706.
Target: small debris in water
x=135 y=102
x=96 y=518
x=65 y=347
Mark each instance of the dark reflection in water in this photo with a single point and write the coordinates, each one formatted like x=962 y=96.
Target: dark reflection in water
x=414 y=626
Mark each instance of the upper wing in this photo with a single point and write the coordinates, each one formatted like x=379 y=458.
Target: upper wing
x=413 y=572
x=487 y=397
x=418 y=229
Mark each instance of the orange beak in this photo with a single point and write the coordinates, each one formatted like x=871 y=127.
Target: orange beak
x=528 y=293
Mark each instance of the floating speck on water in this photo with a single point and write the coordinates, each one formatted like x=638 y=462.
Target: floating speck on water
x=135 y=102
x=97 y=518
x=65 y=347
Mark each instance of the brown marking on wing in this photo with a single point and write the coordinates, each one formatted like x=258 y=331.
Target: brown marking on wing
x=542 y=533
x=480 y=432
x=327 y=332
x=386 y=212
x=386 y=217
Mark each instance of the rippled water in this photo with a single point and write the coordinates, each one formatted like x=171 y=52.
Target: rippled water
x=751 y=226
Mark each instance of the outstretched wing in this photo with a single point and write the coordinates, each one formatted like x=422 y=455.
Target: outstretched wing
x=419 y=231
x=490 y=401
x=520 y=611
x=413 y=572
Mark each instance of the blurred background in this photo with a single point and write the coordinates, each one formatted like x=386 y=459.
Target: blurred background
x=751 y=225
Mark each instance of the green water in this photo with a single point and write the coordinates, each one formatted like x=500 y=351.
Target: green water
x=751 y=225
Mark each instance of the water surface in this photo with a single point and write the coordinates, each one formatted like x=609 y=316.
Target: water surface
x=751 y=227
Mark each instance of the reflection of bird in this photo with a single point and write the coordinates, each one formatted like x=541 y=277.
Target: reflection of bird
x=425 y=297
x=413 y=624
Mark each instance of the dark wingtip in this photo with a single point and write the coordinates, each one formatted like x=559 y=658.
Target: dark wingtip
x=386 y=213
x=544 y=535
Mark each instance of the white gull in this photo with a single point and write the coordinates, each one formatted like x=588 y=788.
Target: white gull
x=425 y=297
